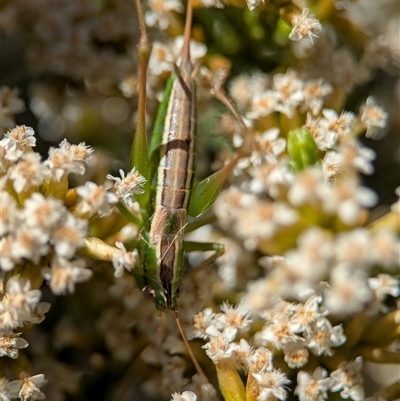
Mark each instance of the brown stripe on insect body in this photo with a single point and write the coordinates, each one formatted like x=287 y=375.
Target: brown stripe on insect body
x=177 y=161
x=166 y=238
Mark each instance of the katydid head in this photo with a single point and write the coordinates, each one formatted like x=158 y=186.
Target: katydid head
x=157 y=294
x=148 y=292
x=163 y=298
x=160 y=300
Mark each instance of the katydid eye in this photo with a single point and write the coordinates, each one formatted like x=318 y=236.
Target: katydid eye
x=148 y=292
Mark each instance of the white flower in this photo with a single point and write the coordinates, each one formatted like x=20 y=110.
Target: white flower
x=28 y=389
x=354 y=248
x=271 y=383
x=308 y=313
x=234 y=317
x=18 y=303
x=7 y=257
x=307 y=188
x=383 y=285
x=125 y=187
x=95 y=199
x=80 y=153
x=267 y=146
x=4 y=391
x=23 y=137
x=185 y=396
x=348 y=378
x=261 y=360
x=296 y=354
x=242 y=355
x=28 y=172
x=305 y=26
x=202 y=322
x=263 y=103
x=19 y=293
x=37 y=315
x=273 y=176
x=321 y=336
x=161 y=59
x=244 y=87
x=43 y=213
x=312 y=387
x=311 y=258
x=160 y=12
x=29 y=243
x=331 y=165
x=69 y=236
x=344 y=70
x=337 y=125
x=355 y=156
x=290 y=89
x=374 y=118
x=347 y=200
x=323 y=137
x=63 y=275
x=348 y=291
x=9 y=154
x=314 y=93
x=61 y=163
x=262 y=220
x=385 y=249
x=256 y=294
x=219 y=347
x=280 y=331
x=10 y=343
x=123 y=259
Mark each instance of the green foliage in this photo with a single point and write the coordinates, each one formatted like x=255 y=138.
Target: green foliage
x=302 y=149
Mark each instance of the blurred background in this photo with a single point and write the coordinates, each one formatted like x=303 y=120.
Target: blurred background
x=69 y=70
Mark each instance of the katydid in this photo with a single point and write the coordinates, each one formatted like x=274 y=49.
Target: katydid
x=170 y=194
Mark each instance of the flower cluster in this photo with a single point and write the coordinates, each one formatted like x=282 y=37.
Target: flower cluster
x=43 y=226
x=35 y=225
x=295 y=329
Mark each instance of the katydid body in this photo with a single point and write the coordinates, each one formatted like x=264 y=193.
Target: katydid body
x=168 y=166
x=163 y=251
x=174 y=182
x=170 y=194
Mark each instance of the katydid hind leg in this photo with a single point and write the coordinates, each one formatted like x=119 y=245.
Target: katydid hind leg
x=199 y=222
x=218 y=250
x=139 y=151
